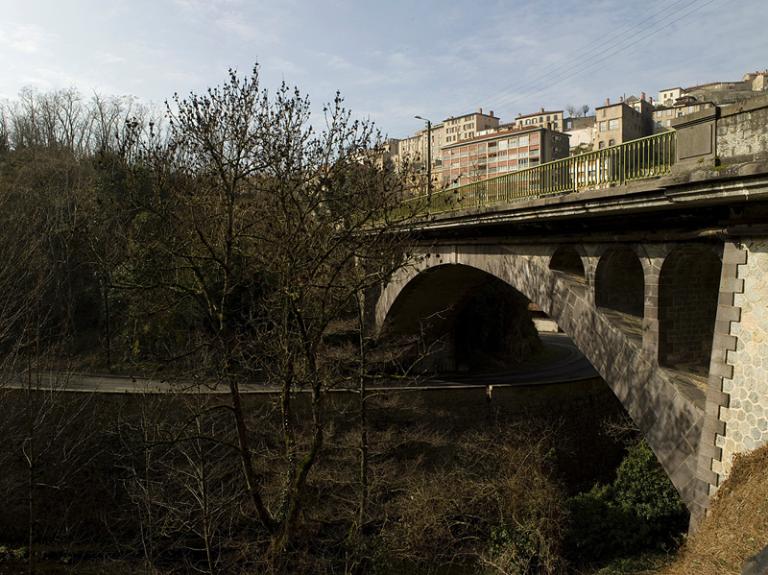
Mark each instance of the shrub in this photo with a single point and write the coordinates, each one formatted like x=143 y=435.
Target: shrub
x=640 y=510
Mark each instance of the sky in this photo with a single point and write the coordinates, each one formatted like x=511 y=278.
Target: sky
x=391 y=60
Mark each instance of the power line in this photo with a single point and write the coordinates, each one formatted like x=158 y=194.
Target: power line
x=588 y=66
x=597 y=46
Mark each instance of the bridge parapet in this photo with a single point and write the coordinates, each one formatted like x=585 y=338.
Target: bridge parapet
x=727 y=139
x=711 y=145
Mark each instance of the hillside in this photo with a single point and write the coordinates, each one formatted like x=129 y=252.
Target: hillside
x=736 y=528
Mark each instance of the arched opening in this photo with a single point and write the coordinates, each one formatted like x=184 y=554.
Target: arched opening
x=688 y=291
x=466 y=319
x=493 y=328
x=568 y=261
x=620 y=290
x=620 y=282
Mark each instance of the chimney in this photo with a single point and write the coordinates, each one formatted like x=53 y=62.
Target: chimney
x=542 y=110
x=490 y=113
x=642 y=95
x=479 y=110
x=607 y=101
x=621 y=98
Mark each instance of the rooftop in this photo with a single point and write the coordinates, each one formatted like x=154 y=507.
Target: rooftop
x=539 y=113
x=500 y=134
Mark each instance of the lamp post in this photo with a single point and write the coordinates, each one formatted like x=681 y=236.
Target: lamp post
x=429 y=153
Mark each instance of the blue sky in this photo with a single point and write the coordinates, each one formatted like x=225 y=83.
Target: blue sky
x=390 y=59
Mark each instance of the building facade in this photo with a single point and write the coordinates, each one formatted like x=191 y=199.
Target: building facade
x=465 y=127
x=667 y=96
x=663 y=115
x=621 y=122
x=499 y=152
x=581 y=132
x=552 y=120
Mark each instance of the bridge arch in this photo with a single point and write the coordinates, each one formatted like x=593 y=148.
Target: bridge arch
x=620 y=281
x=469 y=317
x=670 y=423
x=568 y=260
x=689 y=284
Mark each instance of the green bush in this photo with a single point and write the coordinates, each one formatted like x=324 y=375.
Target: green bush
x=640 y=510
x=642 y=487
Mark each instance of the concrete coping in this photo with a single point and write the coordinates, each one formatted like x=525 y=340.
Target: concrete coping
x=745 y=106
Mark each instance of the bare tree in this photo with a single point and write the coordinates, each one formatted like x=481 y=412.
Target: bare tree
x=267 y=231
x=577 y=111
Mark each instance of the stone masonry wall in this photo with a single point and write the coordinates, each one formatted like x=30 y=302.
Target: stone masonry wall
x=741 y=133
x=746 y=417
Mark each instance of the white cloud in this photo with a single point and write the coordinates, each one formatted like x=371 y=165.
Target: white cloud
x=23 y=38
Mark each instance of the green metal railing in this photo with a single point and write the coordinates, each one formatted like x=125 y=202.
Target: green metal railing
x=647 y=157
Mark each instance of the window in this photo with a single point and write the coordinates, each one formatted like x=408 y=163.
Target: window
x=602 y=126
x=503 y=144
x=613 y=124
x=601 y=145
x=523 y=141
x=611 y=142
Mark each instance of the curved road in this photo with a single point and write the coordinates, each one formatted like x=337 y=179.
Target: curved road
x=561 y=363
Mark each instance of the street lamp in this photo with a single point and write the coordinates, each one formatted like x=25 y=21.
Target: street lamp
x=429 y=152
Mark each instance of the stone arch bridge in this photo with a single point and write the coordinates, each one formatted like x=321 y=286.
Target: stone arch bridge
x=662 y=284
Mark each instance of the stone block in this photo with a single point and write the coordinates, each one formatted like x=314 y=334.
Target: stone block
x=712 y=425
x=727 y=342
x=723 y=370
x=727 y=313
x=732 y=285
x=710 y=451
x=734 y=255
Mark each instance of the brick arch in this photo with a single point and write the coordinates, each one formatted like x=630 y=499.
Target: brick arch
x=671 y=424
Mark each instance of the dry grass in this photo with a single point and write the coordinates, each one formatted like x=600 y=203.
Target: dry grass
x=737 y=526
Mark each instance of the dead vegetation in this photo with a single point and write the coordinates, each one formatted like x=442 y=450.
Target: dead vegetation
x=737 y=525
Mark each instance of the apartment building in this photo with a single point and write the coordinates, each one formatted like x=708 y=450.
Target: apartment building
x=501 y=151
x=552 y=119
x=464 y=127
x=719 y=93
x=582 y=133
x=663 y=115
x=623 y=121
x=667 y=96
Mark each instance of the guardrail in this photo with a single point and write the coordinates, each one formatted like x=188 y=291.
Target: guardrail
x=639 y=159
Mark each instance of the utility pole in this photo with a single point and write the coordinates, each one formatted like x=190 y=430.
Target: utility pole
x=429 y=153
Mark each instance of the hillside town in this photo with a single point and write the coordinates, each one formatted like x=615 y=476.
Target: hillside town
x=478 y=145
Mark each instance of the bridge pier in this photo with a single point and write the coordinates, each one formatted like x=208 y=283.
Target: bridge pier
x=737 y=397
